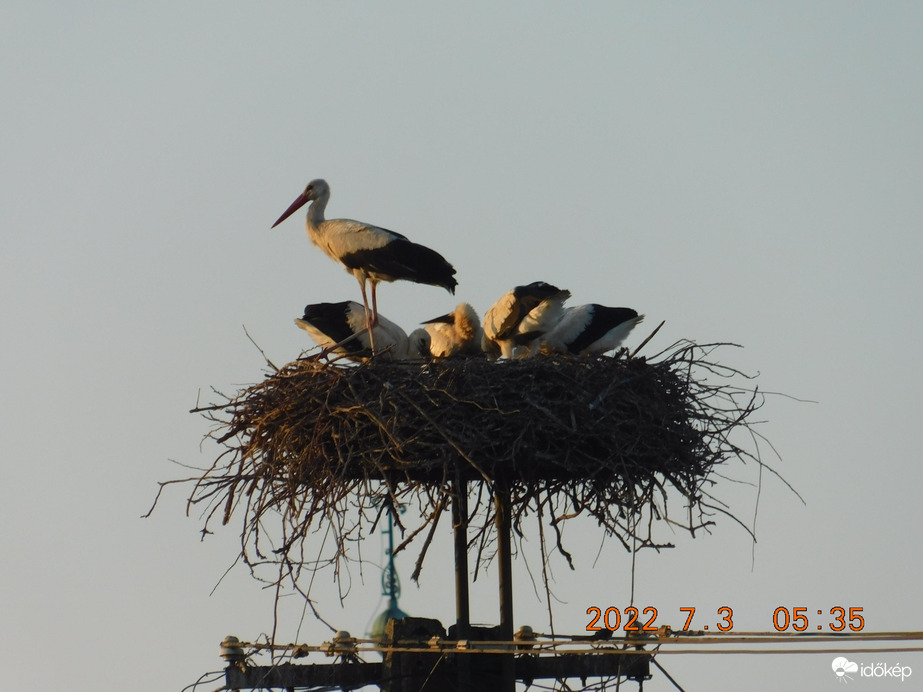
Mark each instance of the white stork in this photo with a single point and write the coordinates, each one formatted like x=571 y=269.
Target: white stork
x=521 y=316
x=457 y=333
x=342 y=328
x=589 y=329
x=369 y=253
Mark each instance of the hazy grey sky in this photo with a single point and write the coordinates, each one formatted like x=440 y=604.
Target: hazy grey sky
x=747 y=172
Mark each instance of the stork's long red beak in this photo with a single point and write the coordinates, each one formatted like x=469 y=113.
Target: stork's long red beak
x=295 y=206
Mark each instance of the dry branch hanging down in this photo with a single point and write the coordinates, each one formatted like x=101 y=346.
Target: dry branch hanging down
x=328 y=446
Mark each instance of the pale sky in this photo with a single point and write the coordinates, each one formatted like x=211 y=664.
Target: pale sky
x=747 y=172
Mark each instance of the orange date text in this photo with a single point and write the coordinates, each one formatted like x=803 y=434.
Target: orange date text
x=633 y=619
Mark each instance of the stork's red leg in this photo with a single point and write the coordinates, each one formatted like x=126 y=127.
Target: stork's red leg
x=371 y=319
x=374 y=302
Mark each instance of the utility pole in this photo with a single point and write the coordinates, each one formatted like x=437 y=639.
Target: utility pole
x=502 y=507
x=462 y=602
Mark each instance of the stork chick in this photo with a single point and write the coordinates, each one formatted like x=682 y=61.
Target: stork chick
x=521 y=316
x=589 y=329
x=457 y=333
x=341 y=328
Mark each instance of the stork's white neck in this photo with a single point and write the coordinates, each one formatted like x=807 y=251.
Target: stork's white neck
x=316 y=211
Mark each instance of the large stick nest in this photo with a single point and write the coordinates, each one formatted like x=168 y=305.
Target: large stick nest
x=326 y=446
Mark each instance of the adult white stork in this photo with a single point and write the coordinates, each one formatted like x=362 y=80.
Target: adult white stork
x=457 y=333
x=521 y=316
x=589 y=329
x=341 y=328
x=369 y=253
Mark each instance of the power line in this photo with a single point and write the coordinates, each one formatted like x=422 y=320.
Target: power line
x=756 y=643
